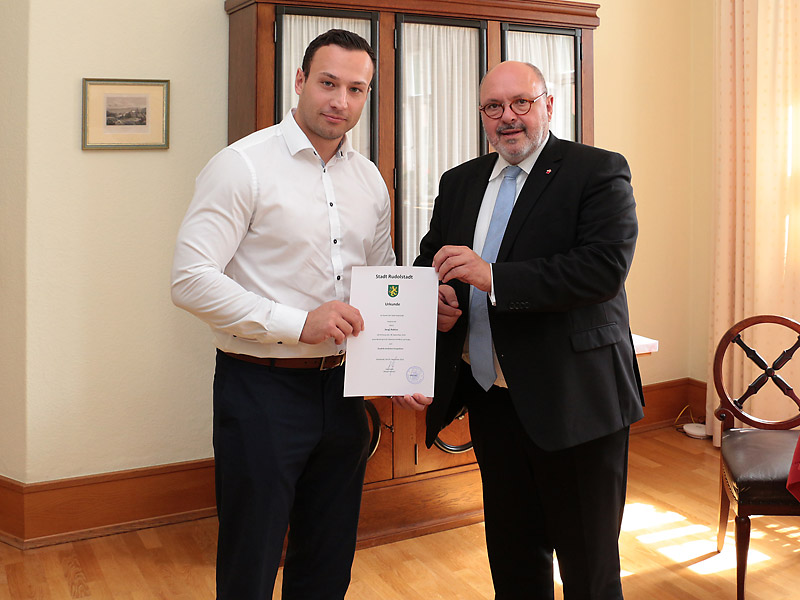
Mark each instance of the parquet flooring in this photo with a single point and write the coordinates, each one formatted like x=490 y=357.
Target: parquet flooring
x=668 y=549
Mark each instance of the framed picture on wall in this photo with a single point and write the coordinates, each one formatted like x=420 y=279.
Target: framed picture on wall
x=125 y=114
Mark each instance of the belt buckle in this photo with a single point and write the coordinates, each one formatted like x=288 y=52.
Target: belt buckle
x=336 y=361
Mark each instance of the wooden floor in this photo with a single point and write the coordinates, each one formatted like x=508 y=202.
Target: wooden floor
x=668 y=549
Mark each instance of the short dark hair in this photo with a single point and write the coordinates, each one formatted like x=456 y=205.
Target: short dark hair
x=337 y=37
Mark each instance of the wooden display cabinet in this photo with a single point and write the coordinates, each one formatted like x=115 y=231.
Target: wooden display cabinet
x=410 y=489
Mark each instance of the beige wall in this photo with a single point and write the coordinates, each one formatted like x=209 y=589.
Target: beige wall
x=699 y=106
x=13 y=168
x=653 y=74
x=115 y=376
x=100 y=372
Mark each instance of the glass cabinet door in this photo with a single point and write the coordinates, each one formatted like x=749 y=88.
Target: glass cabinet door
x=439 y=66
x=295 y=29
x=556 y=53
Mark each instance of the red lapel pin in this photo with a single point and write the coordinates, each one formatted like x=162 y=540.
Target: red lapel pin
x=549 y=171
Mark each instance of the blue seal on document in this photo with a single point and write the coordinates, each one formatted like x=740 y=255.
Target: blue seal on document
x=415 y=375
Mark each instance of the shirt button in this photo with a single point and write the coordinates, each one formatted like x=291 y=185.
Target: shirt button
x=341 y=351
x=338 y=277
x=331 y=203
x=280 y=342
x=335 y=241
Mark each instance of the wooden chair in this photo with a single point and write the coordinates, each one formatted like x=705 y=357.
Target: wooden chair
x=754 y=461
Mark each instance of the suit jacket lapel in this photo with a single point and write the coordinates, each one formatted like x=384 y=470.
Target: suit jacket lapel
x=542 y=173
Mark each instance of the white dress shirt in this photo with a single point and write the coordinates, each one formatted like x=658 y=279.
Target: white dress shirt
x=272 y=233
x=482 y=228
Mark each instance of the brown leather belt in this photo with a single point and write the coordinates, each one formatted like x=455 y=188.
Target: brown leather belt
x=321 y=363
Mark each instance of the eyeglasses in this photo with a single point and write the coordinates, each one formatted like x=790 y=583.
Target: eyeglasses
x=520 y=106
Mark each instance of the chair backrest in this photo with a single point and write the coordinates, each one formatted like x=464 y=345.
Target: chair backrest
x=733 y=408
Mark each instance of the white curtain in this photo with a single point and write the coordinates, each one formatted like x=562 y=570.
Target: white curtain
x=439 y=117
x=298 y=32
x=555 y=56
x=756 y=254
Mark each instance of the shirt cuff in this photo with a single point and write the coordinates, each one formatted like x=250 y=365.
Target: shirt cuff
x=286 y=323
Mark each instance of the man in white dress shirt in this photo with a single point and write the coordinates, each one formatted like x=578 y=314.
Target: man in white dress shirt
x=264 y=256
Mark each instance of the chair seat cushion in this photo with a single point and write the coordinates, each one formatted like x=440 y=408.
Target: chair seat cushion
x=757 y=462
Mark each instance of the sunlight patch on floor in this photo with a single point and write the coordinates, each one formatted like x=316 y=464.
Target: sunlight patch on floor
x=692 y=545
x=644 y=516
x=791 y=532
x=699 y=555
x=725 y=560
x=671 y=534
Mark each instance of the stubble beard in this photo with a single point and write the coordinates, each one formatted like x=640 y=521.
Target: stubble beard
x=515 y=151
x=329 y=132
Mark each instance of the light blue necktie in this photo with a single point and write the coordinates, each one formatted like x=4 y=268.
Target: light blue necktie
x=481 y=358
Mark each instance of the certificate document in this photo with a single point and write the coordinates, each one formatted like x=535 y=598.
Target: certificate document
x=396 y=352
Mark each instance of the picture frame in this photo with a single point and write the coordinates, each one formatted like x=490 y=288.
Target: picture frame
x=125 y=114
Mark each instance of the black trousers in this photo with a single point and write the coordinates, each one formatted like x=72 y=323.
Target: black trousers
x=290 y=451
x=536 y=502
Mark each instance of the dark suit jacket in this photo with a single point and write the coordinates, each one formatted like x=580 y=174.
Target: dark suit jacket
x=560 y=325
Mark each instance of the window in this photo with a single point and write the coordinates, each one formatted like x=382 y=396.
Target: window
x=439 y=66
x=557 y=54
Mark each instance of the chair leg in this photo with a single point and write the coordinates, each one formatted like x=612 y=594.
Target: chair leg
x=742 y=546
x=724 y=512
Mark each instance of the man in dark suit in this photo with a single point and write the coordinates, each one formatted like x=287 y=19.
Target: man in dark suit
x=534 y=340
